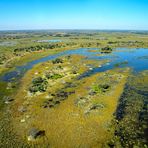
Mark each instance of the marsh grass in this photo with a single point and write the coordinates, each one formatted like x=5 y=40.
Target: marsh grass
x=121 y=63
x=131 y=113
x=92 y=40
x=66 y=124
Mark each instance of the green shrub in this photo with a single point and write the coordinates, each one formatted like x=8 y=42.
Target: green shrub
x=38 y=84
x=2 y=58
x=100 y=88
x=38 y=80
x=106 y=50
x=60 y=67
x=57 y=60
x=53 y=76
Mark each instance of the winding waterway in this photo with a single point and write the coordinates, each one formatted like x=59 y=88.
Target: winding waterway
x=137 y=59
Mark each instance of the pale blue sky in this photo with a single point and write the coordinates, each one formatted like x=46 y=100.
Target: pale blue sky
x=73 y=14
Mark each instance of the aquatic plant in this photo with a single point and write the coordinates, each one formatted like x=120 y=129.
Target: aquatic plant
x=121 y=63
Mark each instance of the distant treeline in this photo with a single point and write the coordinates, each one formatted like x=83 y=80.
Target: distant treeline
x=126 y=42
x=42 y=47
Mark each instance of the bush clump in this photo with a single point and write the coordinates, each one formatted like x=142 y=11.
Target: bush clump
x=2 y=59
x=106 y=50
x=39 y=84
x=57 y=61
x=100 y=88
x=53 y=76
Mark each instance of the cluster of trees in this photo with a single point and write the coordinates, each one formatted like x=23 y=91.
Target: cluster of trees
x=2 y=58
x=101 y=88
x=106 y=49
x=37 y=48
x=12 y=37
x=39 y=84
x=124 y=42
x=42 y=47
x=53 y=76
x=57 y=61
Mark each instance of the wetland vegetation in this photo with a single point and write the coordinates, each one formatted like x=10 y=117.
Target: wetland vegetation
x=73 y=88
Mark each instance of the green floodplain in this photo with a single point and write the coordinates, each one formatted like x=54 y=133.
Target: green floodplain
x=73 y=89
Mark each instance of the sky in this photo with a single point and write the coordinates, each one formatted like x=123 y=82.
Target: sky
x=74 y=14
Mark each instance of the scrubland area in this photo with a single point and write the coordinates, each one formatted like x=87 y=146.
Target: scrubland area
x=73 y=89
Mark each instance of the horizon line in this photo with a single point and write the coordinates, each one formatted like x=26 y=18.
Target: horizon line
x=74 y=29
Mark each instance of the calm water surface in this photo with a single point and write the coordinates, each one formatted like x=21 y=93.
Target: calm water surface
x=137 y=59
